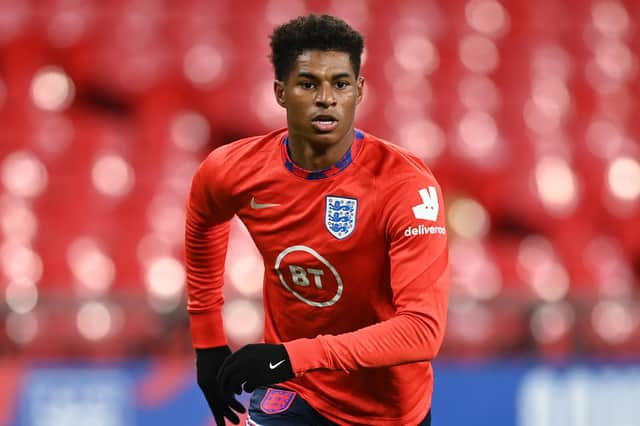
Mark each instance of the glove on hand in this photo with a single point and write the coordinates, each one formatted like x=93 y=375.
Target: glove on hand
x=208 y=362
x=255 y=365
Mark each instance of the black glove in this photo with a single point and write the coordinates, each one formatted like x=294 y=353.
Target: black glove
x=208 y=362
x=255 y=365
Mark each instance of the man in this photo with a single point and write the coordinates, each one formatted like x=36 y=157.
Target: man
x=351 y=230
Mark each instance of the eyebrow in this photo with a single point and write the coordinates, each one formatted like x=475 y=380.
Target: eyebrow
x=313 y=77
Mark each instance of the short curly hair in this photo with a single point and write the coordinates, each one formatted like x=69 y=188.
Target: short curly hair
x=313 y=32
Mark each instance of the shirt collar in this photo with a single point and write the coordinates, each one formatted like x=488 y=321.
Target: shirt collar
x=332 y=170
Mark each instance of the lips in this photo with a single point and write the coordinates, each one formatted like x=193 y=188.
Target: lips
x=324 y=122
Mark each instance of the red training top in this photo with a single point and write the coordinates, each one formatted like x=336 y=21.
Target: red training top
x=356 y=269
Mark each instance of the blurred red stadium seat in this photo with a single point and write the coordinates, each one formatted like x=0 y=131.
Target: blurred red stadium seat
x=527 y=108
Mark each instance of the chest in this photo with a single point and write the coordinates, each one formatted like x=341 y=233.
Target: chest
x=322 y=242
x=335 y=216
x=316 y=234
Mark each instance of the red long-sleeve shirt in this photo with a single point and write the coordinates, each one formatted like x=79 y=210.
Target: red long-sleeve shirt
x=356 y=269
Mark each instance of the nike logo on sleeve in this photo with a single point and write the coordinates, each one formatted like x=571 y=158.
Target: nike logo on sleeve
x=255 y=205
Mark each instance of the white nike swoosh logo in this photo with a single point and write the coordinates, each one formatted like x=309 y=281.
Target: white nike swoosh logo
x=255 y=205
x=274 y=366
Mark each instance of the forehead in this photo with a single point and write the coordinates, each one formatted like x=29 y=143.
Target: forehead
x=323 y=63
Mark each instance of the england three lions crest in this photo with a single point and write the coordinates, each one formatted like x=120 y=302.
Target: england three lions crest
x=340 y=216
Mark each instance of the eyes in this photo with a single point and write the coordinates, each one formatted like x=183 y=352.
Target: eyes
x=310 y=85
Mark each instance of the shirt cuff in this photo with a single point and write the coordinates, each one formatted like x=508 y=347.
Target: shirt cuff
x=207 y=330
x=306 y=355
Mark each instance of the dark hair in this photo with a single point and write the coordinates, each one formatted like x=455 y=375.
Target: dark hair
x=313 y=32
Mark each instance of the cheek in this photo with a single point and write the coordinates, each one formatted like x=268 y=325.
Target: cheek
x=299 y=103
x=296 y=114
x=349 y=105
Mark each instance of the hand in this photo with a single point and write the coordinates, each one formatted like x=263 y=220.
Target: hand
x=208 y=362
x=255 y=365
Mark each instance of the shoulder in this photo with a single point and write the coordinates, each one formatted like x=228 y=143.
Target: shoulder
x=229 y=168
x=406 y=190
x=391 y=164
x=251 y=149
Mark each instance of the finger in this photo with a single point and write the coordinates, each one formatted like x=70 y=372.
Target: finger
x=249 y=387
x=219 y=419
x=237 y=406
x=232 y=378
x=233 y=417
x=213 y=406
x=236 y=382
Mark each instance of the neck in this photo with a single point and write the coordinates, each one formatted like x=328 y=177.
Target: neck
x=317 y=156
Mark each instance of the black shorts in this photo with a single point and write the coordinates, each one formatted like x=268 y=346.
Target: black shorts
x=282 y=407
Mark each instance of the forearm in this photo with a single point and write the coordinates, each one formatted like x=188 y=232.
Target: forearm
x=205 y=251
x=409 y=336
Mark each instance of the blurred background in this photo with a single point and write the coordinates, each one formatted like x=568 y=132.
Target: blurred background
x=526 y=111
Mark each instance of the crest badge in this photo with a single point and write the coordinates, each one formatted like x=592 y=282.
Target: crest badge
x=276 y=400
x=340 y=216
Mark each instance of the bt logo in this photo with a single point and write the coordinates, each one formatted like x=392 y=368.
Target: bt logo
x=300 y=276
x=311 y=285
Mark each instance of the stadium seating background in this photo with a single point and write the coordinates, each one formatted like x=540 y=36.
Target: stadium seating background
x=527 y=112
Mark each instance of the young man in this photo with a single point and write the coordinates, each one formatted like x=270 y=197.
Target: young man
x=352 y=232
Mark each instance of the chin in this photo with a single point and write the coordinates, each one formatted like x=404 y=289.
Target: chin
x=332 y=137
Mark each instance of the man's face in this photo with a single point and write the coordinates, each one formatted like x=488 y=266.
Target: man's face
x=320 y=95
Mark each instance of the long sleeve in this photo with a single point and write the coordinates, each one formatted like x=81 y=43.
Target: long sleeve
x=206 y=239
x=419 y=278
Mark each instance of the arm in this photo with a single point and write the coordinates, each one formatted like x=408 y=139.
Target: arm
x=206 y=238
x=420 y=283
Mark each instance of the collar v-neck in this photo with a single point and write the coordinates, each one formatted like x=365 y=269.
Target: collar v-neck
x=332 y=170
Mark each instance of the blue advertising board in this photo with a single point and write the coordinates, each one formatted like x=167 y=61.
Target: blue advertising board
x=534 y=394
x=497 y=393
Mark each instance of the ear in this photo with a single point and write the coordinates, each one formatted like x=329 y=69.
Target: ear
x=278 y=90
x=360 y=89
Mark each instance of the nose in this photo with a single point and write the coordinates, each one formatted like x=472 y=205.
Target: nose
x=325 y=96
